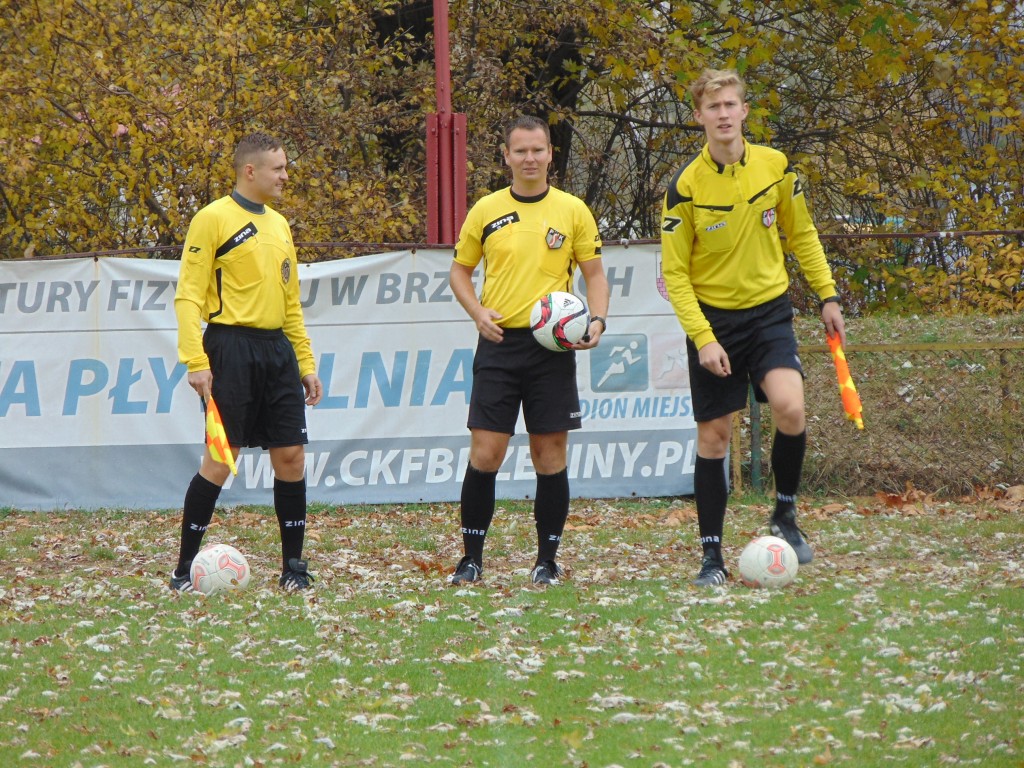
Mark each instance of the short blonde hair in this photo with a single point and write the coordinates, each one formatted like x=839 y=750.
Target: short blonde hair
x=712 y=81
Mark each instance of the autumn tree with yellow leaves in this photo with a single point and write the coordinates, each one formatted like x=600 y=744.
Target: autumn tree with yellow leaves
x=119 y=118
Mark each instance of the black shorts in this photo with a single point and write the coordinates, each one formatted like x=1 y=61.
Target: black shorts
x=256 y=385
x=519 y=372
x=757 y=340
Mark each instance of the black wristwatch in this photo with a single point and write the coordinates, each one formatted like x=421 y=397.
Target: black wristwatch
x=601 y=320
x=829 y=300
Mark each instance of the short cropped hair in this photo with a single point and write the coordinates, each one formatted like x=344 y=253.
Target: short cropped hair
x=712 y=81
x=527 y=123
x=252 y=145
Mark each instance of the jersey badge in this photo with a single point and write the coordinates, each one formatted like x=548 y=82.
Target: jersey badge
x=555 y=238
x=286 y=271
x=768 y=217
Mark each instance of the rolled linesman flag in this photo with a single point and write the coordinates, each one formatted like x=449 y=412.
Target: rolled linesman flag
x=217 y=438
x=847 y=391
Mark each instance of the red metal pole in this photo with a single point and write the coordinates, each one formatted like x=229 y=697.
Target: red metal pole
x=459 y=164
x=442 y=58
x=445 y=168
x=433 y=192
x=446 y=145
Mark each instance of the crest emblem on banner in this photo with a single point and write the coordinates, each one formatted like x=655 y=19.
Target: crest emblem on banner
x=768 y=217
x=286 y=271
x=555 y=238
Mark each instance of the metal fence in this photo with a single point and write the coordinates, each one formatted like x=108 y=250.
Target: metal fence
x=947 y=419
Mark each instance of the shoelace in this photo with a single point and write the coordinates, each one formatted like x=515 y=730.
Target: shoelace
x=467 y=569
x=548 y=570
x=298 y=579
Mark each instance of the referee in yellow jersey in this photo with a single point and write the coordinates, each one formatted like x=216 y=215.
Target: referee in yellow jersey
x=239 y=274
x=724 y=268
x=531 y=238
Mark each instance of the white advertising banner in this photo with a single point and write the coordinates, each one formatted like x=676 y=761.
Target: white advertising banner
x=95 y=411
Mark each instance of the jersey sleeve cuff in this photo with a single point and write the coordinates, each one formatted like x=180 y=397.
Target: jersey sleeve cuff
x=703 y=338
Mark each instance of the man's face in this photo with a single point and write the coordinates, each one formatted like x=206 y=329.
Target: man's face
x=269 y=172
x=528 y=154
x=722 y=114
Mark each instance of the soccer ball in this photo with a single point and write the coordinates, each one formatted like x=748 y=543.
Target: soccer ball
x=559 y=320
x=768 y=561
x=219 y=568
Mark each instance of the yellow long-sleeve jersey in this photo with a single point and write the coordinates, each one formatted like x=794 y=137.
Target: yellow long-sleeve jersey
x=720 y=238
x=238 y=267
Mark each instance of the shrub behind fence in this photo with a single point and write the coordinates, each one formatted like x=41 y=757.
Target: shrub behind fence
x=946 y=418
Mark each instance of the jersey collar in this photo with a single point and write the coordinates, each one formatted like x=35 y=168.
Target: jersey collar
x=705 y=153
x=248 y=204
x=529 y=198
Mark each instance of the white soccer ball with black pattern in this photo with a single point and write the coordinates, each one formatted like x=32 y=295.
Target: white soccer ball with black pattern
x=559 y=320
x=768 y=561
x=219 y=568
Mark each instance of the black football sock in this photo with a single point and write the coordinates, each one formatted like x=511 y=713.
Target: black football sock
x=550 y=511
x=290 y=506
x=200 y=499
x=710 y=493
x=787 y=465
x=477 y=510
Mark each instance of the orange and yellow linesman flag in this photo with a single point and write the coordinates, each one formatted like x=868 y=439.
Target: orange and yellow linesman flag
x=217 y=438
x=847 y=391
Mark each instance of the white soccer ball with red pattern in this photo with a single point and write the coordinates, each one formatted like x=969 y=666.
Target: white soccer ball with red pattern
x=559 y=320
x=768 y=561
x=219 y=568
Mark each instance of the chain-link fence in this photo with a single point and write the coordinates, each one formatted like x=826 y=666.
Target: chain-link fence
x=946 y=418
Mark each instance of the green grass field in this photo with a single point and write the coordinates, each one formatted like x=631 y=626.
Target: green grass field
x=902 y=644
